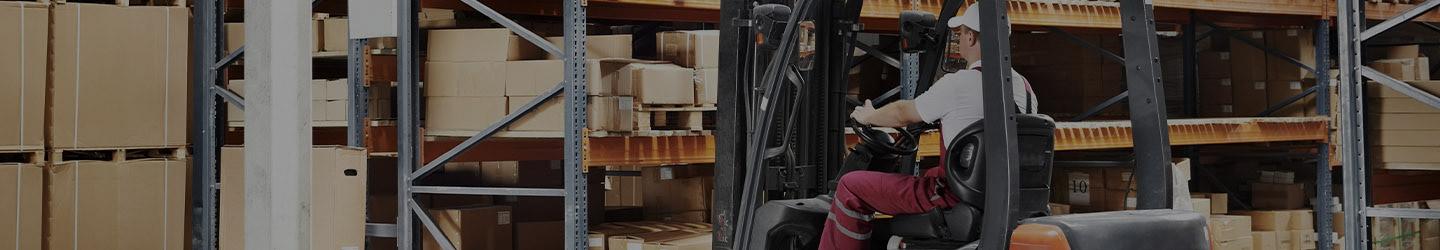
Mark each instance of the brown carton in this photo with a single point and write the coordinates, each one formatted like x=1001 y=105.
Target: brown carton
x=1269 y=220
x=1119 y=178
x=1250 y=97
x=1302 y=239
x=337 y=200
x=121 y=76
x=1116 y=200
x=1402 y=51
x=234 y=36
x=1059 y=209
x=474 y=228
x=1404 y=69
x=1277 y=196
x=464 y=45
x=1278 y=91
x=676 y=193
x=118 y=205
x=1265 y=240
x=1303 y=219
x=1296 y=43
x=336 y=34
x=696 y=241
x=623 y=191
x=540 y=76
x=21 y=205
x=524 y=174
x=1242 y=243
x=638 y=241
x=23 y=64
x=696 y=49
x=465 y=79
x=540 y=235
x=1229 y=227
x=463 y=113
x=597 y=46
x=1219 y=202
x=1082 y=188
x=659 y=83
x=605 y=113
x=707 y=90
x=1201 y=206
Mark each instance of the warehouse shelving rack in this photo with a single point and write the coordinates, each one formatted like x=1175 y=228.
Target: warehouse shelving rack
x=580 y=150
x=1356 y=168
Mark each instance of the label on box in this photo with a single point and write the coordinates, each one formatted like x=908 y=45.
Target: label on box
x=1080 y=189
x=1224 y=55
x=609 y=183
x=597 y=242
x=1227 y=108
x=667 y=173
x=1225 y=82
x=502 y=218
x=1259 y=85
x=1257 y=35
x=1292 y=32
x=1295 y=86
x=1129 y=202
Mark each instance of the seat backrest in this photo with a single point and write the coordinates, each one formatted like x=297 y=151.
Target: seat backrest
x=1036 y=143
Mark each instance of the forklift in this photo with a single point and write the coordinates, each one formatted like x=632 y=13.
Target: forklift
x=784 y=129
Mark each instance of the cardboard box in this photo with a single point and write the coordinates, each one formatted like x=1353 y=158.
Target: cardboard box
x=522 y=174
x=24 y=64
x=1402 y=51
x=696 y=49
x=235 y=36
x=21 y=205
x=1082 y=188
x=463 y=113
x=1302 y=239
x=1303 y=219
x=1277 y=196
x=535 y=209
x=1119 y=178
x=1219 y=202
x=544 y=75
x=605 y=113
x=1201 y=206
x=124 y=87
x=466 y=79
x=696 y=241
x=462 y=45
x=1404 y=69
x=659 y=83
x=1297 y=43
x=707 y=90
x=1269 y=220
x=597 y=46
x=1265 y=240
x=540 y=235
x=1242 y=243
x=1228 y=227
x=677 y=193
x=472 y=228
x=1403 y=121
x=1213 y=64
x=337 y=34
x=623 y=191
x=1216 y=91
x=1278 y=91
x=337 y=187
x=141 y=204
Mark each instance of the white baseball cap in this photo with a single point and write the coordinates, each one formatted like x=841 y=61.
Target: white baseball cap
x=970 y=19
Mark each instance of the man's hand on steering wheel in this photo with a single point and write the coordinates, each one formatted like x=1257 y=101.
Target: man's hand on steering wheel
x=862 y=113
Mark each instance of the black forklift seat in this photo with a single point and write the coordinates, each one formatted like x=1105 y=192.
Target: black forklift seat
x=965 y=178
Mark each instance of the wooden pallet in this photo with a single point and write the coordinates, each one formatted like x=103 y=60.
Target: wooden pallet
x=22 y=156
x=119 y=154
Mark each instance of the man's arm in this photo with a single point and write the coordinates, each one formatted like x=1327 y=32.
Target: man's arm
x=896 y=114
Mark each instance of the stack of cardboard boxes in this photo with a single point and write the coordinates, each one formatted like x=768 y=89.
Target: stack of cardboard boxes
x=329 y=103
x=1282 y=229
x=1404 y=63
x=1277 y=190
x=22 y=133
x=118 y=77
x=1244 y=80
x=1402 y=132
x=1230 y=232
x=327 y=34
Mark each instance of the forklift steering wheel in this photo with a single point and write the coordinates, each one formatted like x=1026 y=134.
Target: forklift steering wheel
x=906 y=145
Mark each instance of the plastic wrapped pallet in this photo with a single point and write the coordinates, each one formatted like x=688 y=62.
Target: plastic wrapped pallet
x=120 y=76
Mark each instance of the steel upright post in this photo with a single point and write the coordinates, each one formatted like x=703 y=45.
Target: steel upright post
x=1352 y=124
x=1322 y=151
x=576 y=220
x=207 y=53
x=407 y=118
x=1147 y=105
x=1001 y=153
x=359 y=96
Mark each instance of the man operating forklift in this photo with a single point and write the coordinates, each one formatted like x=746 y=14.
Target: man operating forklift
x=955 y=101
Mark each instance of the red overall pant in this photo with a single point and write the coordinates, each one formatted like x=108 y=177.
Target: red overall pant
x=861 y=194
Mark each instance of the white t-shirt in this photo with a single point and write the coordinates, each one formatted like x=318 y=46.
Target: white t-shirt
x=956 y=100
